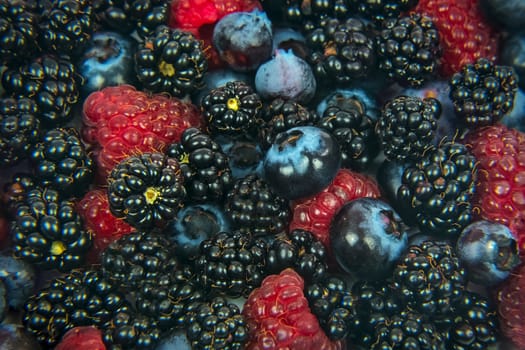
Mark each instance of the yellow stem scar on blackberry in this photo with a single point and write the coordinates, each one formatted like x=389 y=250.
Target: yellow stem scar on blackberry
x=151 y=194
x=166 y=69
x=233 y=103
x=57 y=248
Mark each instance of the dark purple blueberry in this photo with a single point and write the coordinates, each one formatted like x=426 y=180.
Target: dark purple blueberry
x=285 y=38
x=513 y=54
x=488 y=251
x=367 y=238
x=245 y=155
x=286 y=76
x=174 y=340
x=516 y=118
x=338 y=96
x=508 y=13
x=301 y=162
x=19 y=279
x=243 y=39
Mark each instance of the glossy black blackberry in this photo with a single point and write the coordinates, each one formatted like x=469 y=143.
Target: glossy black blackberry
x=48 y=231
x=216 y=324
x=60 y=160
x=280 y=115
x=299 y=250
x=430 y=279
x=407 y=127
x=231 y=109
x=167 y=297
x=52 y=82
x=146 y=190
x=129 y=329
x=18 y=31
x=80 y=298
x=379 y=10
x=19 y=129
x=408 y=49
x=483 y=92
x=65 y=26
x=254 y=207
x=205 y=167
x=342 y=51
x=137 y=258
x=15 y=190
x=347 y=120
x=296 y=12
x=231 y=263
x=436 y=190
x=170 y=60
x=332 y=302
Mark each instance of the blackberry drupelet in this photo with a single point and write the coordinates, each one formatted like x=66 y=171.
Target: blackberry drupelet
x=483 y=92
x=18 y=31
x=407 y=127
x=170 y=60
x=436 y=190
x=231 y=109
x=205 y=167
x=137 y=258
x=131 y=330
x=19 y=129
x=47 y=231
x=52 y=82
x=254 y=207
x=300 y=250
x=380 y=10
x=216 y=324
x=341 y=50
x=80 y=298
x=60 y=161
x=347 y=120
x=231 y=263
x=408 y=49
x=146 y=190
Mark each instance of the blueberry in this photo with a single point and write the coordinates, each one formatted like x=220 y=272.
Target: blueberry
x=290 y=39
x=3 y=301
x=508 y=13
x=301 y=162
x=516 y=118
x=19 y=279
x=489 y=252
x=243 y=39
x=175 y=340
x=107 y=61
x=338 y=96
x=245 y=156
x=513 y=54
x=367 y=237
x=286 y=76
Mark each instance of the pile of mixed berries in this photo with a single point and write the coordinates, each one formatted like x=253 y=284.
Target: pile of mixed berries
x=262 y=174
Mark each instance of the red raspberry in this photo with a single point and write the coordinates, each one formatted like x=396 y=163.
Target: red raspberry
x=200 y=16
x=278 y=316
x=105 y=228
x=120 y=121
x=500 y=187
x=465 y=34
x=82 y=338
x=315 y=213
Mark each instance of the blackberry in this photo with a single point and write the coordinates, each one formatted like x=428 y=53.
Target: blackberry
x=231 y=109
x=231 y=263
x=436 y=190
x=216 y=325
x=483 y=92
x=52 y=82
x=170 y=60
x=15 y=191
x=254 y=207
x=60 y=161
x=131 y=330
x=146 y=190
x=299 y=250
x=407 y=127
x=347 y=120
x=280 y=115
x=408 y=49
x=18 y=31
x=205 y=167
x=65 y=26
x=430 y=279
x=245 y=154
x=333 y=304
x=380 y=10
x=137 y=258
x=342 y=51
x=48 y=232
x=297 y=12
x=19 y=129
x=80 y=298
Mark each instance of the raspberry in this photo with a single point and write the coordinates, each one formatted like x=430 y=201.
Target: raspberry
x=121 y=121
x=500 y=188
x=82 y=338
x=464 y=32
x=315 y=213
x=278 y=316
x=510 y=299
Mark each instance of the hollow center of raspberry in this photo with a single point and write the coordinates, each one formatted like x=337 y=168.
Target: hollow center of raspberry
x=166 y=69
x=151 y=194
x=57 y=248
x=233 y=104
